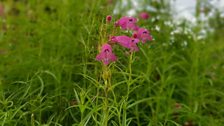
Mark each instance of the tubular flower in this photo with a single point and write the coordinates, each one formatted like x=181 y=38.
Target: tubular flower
x=106 y=55
x=143 y=35
x=127 y=42
x=127 y=23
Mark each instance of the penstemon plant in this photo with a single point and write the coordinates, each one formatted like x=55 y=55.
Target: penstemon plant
x=107 y=56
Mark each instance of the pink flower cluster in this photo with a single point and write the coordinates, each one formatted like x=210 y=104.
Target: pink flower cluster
x=125 y=23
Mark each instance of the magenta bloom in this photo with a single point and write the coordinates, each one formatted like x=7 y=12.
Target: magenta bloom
x=144 y=15
x=127 y=23
x=127 y=42
x=106 y=55
x=143 y=35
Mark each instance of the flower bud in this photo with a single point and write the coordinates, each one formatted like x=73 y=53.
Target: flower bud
x=144 y=15
x=108 y=18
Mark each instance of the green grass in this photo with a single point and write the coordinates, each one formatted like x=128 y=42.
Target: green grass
x=49 y=75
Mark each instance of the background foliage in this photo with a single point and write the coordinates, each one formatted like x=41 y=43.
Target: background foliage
x=49 y=75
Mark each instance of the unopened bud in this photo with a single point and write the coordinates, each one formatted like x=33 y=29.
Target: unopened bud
x=108 y=18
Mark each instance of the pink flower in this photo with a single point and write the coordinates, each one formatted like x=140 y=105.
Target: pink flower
x=127 y=42
x=127 y=23
x=143 y=34
x=144 y=15
x=108 y=18
x=106 y=55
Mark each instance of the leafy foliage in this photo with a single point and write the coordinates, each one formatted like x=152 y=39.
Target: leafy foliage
x=49 y=75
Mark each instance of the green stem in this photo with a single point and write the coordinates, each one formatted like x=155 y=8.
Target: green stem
x=106 y=113
x=107 y=86
x=130 y=73
x=124 y=116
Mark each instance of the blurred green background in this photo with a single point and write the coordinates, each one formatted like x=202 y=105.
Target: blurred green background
x=49 y=75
